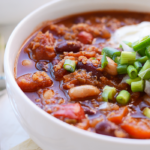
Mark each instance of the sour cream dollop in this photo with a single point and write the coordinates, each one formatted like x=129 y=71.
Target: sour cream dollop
x=131 y=33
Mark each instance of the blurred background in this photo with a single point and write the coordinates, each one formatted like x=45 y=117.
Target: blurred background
x=11 y=13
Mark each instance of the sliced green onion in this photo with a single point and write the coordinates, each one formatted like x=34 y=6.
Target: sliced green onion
x=123 y=97
x=105 y=95
x=142 y=52
x=137 y=86
x=111 y=52
x=146 y=66
x=117 y=60
x=147 y=52
x=104 y=61
x=138 y=65
x=142 y=59
x=140 y=44
x=145 y=74
x=69 y=65
x=108 y=93
x=146 y=112
x=127 y=43
x=129 y=81
x=132 y=72
x=122 y=69
x=145 y=71
x=127 y=57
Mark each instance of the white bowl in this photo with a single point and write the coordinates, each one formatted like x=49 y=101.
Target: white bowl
x=48 y=132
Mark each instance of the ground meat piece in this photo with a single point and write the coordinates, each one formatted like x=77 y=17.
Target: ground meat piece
x=32 y=82
x=146 y=99
x=58 y=29
x=79 y=77
x=107 y=128
x=90 y=48
x=96 y=31
x=106 y=81
x=113 y=81
x=42 y=46
x=123 y=86
x=50 y=97
x=87 y=54
x=85 y=38
x=114 y=24
x=68 y=46
x=135 y=95
x=72 y=111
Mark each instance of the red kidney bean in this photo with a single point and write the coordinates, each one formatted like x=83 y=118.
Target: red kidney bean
x=88 y=110
x=89 y=68
x=42 y=66
x=55 y=61
x=68 y=46
x=85 y=38
x=105 y=128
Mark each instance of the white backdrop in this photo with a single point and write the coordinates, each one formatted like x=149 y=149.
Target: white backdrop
x=12 y=11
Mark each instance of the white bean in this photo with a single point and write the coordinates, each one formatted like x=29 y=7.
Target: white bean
x=111 y=67
x=83 y=91
x=26 y=62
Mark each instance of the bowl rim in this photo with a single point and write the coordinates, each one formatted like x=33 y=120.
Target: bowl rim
x=72 y=129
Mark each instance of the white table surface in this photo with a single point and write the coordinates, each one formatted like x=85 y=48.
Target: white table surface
x=11 y=132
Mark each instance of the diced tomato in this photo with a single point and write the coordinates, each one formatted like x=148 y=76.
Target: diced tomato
x=137 y=128
x=72 y=111
x=85 y=38
x=42 y=46
x=118 y=115
x=33 y=82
